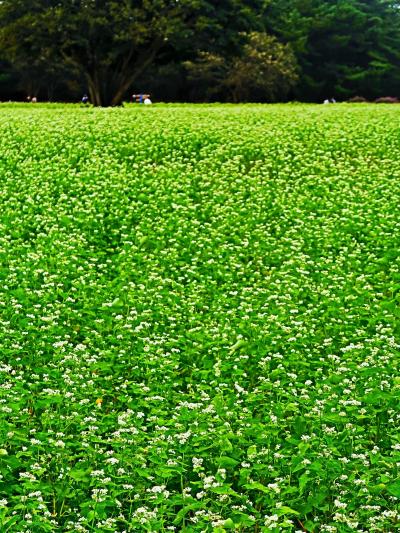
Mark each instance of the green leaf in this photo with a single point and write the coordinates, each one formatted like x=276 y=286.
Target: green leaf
x=303 y=480
x=255 y=485
x=300 y=425
x=394 y=488
x=243 y=519
x=79 y=475
x=236 y=346
x=225 y=445
x=378 y=488
x=227 y=462
x=183 y=512
x=117 y=303
x=252 y=451
x=224 y=489
x=284 y=510
x=316 y=499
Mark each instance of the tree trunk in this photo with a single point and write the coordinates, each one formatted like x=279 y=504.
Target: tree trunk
x=94 y=90
x=140 y=66
x=119 y=93
x=108 y=88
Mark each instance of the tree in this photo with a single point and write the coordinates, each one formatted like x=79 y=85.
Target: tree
x=110 y=43
x=25 y=42
x=113 y=47
x=265 y=70
x=207 y=74
x=344 y=47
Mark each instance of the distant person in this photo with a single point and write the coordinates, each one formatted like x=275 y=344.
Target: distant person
x=332 y=101
x=147 y=101
x=326 y=101
x=85 y=99
x=28 y=98
x=140 y=98
x=34 y=100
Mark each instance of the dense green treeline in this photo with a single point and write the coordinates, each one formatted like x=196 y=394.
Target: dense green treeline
x=226 y=50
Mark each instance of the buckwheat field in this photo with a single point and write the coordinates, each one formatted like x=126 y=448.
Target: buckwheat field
x=199 y=318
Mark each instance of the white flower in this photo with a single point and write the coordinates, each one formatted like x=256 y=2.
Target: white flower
x=112 y=461
x=340 y=505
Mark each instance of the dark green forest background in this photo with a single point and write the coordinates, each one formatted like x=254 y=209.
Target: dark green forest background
x=195 y=50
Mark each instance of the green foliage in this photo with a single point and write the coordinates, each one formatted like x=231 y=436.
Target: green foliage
x=113 y=48
x=109 y=44
x=344 y=47
x=26 y=41
x=199 y=318
x=265 y=70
